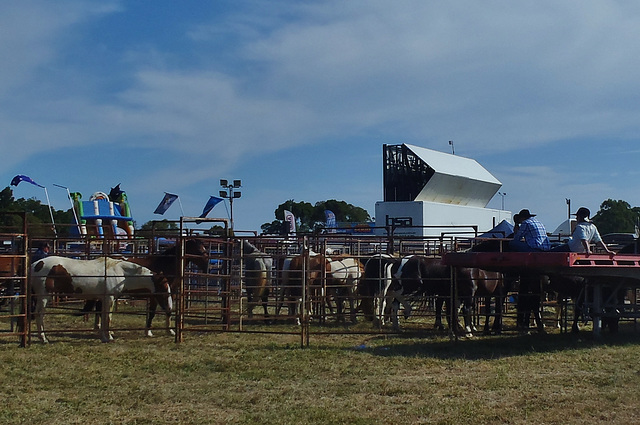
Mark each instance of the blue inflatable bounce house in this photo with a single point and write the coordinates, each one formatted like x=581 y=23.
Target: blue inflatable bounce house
x=104 y=215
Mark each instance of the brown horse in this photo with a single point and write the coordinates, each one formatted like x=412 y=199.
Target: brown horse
x=476 y=283
x=11 y=269
x=303 y=271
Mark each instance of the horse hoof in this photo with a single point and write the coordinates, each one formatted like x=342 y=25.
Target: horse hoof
x=148 y=334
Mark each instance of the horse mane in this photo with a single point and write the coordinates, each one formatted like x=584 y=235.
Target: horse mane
x=249 y=247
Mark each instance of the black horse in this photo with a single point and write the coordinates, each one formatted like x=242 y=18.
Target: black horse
x=393 y=281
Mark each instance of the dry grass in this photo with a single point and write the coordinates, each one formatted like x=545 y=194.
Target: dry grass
x=231 y=378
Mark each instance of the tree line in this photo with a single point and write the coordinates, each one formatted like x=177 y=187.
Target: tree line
x=311 y=218
x=614 y=216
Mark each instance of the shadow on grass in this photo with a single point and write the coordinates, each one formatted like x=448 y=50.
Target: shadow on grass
x=482 y=348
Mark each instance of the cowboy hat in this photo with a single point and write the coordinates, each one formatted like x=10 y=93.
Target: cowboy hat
x=525 y=214
x=583 y=212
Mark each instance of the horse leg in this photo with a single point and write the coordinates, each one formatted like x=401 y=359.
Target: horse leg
x=97 y=305
x=107 y=309
x=250 y=303
x=265 y=300
x=487 y=316
x=380 y=302
x=352 y=304
x=561 y=304
x=167 y=310
x=577 y=312
x=41 y=303
x=467 y=306
x=439 y=304
x=151 y=313
x=395 y=306
x=537 y=316
x=497 y=321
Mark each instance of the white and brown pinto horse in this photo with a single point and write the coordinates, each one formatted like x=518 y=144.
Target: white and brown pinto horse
x=373 y=287
x=258 y=268
x=342 y=279
x=104 y=279
x=168 y=263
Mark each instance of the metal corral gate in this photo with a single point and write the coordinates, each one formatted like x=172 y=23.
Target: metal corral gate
x=226 y=295
x=230 y=297
x=13 y=282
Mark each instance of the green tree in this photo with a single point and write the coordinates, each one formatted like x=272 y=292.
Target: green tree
x=37 y=213
x=160 y=225
x=616 y=217
x=311 y=218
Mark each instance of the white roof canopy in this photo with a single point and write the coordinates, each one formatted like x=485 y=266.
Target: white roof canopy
x=457 y=180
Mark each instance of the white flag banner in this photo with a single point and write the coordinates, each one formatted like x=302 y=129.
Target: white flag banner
x=291 y=219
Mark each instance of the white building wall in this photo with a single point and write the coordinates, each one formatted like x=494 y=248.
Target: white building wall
x=441 y=216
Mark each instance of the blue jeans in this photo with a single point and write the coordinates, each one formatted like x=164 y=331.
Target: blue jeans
x=520 y=246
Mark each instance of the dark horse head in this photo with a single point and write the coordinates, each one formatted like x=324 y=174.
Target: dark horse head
x=195 y=252
x=115 y=194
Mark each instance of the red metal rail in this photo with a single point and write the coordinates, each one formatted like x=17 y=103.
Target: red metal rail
x=549 y=263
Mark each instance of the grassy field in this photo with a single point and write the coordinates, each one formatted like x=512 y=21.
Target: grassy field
x=232 y=378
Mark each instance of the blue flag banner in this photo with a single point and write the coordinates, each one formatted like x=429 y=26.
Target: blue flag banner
x=20 y=178
x=212 y=202
x=330 y=221
x=166 y=202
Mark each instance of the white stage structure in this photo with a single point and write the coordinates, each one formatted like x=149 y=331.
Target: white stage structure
x=431 y=193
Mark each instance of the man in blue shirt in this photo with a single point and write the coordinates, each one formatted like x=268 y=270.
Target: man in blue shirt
x=531 y=236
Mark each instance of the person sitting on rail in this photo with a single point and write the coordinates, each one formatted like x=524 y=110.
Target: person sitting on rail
x=583 y=235
x=531 y=235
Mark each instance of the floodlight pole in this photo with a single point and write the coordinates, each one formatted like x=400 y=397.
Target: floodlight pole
x=75 y=216
x=502 y=195
x=53 y=222
x=230 y=192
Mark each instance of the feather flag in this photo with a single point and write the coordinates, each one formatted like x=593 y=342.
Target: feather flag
x=212 y=202
x=166 y=202
x=21 y=178
x=330 y=221
x=291 y=219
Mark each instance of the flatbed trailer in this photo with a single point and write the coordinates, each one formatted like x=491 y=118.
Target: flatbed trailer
x=601 y=271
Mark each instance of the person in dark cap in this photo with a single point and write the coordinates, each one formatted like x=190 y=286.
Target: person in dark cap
x=531 y=235
x=583 y=235
x=41 y=252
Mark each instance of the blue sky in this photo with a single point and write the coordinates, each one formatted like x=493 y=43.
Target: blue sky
x=296 y=98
